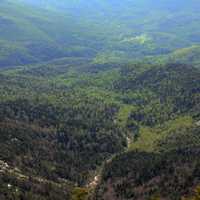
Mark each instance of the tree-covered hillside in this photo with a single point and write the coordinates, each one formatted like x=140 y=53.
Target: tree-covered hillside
x=99 y=100
x=135 y=28
x=60 y=125
x=103 y=30
x=29 y=35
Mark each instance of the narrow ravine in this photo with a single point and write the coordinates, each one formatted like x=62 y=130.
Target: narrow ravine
x=97 y=178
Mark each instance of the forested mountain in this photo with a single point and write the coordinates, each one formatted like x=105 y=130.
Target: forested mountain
x=29 y=35
x=103 y=30
x=99 y=100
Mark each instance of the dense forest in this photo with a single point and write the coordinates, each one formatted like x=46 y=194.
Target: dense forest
x=99 y=100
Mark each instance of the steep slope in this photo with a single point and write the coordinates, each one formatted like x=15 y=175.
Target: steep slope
x=162 y=161
x=140 y=175
x=66 y=127
x=55 y=142
x=102 y=83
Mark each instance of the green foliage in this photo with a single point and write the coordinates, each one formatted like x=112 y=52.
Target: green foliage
x=79 y=194
x=149 y=137
x=142 y=175
x=102 y=31
x=93 y=82
x=16 y=187
x=74 y=135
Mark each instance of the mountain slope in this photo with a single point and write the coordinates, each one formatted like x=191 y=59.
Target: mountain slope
x=140 y=175
x=61 y=122
x=105 y=102
x=162 y=23
x=99 y=29
x=39 y=35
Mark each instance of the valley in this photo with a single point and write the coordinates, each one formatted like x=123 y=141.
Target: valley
x=99 y=100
